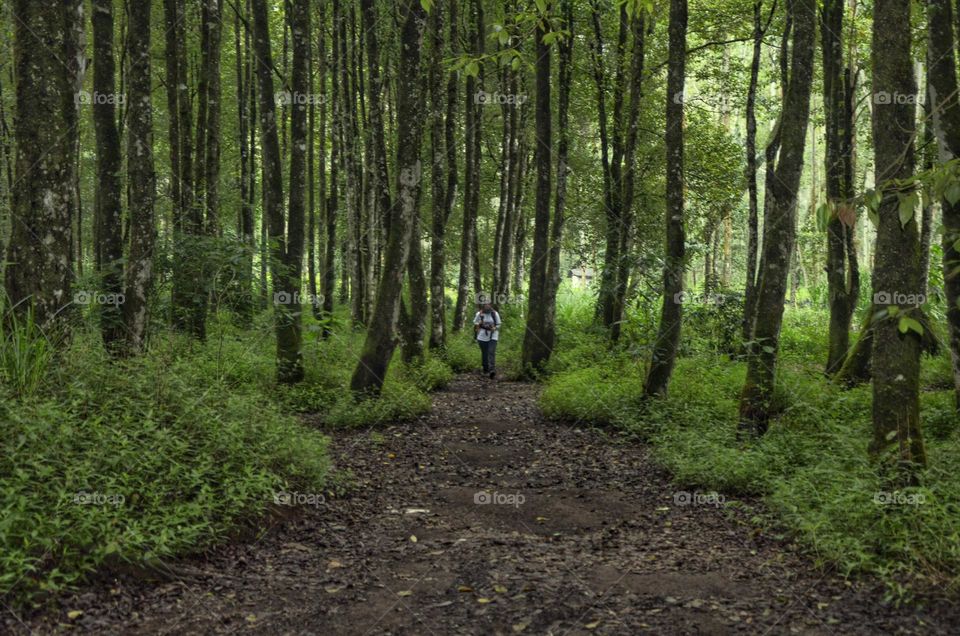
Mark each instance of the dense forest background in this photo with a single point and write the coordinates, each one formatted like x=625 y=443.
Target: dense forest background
x=731 y=228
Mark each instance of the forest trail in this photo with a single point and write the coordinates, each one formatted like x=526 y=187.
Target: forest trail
x=585 y=535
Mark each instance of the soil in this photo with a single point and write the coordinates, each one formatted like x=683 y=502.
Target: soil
x=483 y=517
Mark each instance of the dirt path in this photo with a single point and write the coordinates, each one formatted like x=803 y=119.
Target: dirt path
x=484 y=518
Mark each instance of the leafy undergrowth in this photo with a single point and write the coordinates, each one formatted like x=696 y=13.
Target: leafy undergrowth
x=126 y=461
x=811 y=468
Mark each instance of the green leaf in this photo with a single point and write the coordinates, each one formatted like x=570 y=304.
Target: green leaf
x=823 y=216
x=908 y=205
x=908 y=324
x=472 y=69
x=952 y=193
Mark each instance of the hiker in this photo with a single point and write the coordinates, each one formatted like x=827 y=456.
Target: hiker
x=486 y=324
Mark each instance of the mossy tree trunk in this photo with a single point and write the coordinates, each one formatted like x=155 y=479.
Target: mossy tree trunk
x=896 y=356
x=671 y=313
x=37 y=275
x=843 y=274
x=945 y=109
x=779 y=228
x=140 y=172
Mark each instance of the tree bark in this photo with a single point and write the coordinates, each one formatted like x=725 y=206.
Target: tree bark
x=109 y=210
x=536 y=348
x=368 y=377
x=842 y=275
x=471 y=192
x=38 y=274
x=564 y=83
x=444 y=157
x=945 y=108
x=896 y=356
x=779 y=231
x=671 y=313
x=142 y=180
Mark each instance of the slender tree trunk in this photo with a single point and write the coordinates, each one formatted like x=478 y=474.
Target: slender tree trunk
x=329 y=271
x=245 y=226
x=471 y=193
x=564 y=82
x=318 y=295
x=536 y=348
x=109 y=210
x=842 y=278
x=779 y=226
x=671 y=315
x=629 y=175
x=380 y=340
x=945 y=108
x=212 y=149
x=142 y=180
x=753 y=232
x=284 y=272
x=443 y=186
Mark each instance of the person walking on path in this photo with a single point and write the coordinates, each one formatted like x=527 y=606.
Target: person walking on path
x=486 y=324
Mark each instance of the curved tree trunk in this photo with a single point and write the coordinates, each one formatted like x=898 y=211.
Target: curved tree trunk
x=368 y=377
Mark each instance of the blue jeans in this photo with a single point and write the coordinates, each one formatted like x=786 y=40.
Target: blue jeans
x=488 y=355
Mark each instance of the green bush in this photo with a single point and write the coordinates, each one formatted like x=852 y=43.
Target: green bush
x=141 y=459
x=811 y=468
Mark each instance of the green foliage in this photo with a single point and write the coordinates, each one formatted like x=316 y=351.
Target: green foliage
x=25 y=352
x=141 y=459
x=812 y=468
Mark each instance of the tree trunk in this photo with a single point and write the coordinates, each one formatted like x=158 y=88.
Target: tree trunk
x=37 y=274
x=187 y=305
x=443 y=142
x=380 y=340
x=285 y=271
x=842 y=278
x=536 y=348
x=779 y=227
x=109 y=210
x=471 y=192
x=945 y=108
x=564 y=81
x=753 y=232
x=349 y=153
x=142 y=180
x=671 y=314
